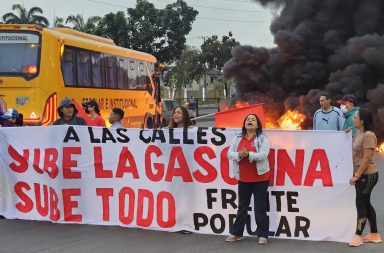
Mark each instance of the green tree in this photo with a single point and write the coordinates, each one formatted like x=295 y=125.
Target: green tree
x=176 y=23
x=216 y=53
x=114 y=26
x=79 y=24
x=186 y=69
x=24 y=16
x=59 y=22
x=160 y=32
x=143 y=23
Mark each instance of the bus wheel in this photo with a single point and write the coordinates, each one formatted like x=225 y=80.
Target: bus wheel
x=148 y=122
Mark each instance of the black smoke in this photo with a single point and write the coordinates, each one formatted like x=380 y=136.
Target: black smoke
x=335 y=46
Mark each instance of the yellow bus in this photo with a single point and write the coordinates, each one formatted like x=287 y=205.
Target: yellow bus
x=39 y=67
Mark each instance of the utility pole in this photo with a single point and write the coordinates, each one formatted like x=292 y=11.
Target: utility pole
x=205 y=88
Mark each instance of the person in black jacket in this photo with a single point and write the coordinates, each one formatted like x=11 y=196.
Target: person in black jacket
x=67 y=112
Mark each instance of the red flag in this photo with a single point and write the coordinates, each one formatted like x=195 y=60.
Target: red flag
x=234 y=118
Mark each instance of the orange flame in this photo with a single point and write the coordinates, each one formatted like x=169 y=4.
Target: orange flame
x=226 y=105
x=291 y=120
x=381 y=148
x=241 y=104
x=271 y=124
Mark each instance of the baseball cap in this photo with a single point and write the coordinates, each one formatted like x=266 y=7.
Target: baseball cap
x=10 y=113
x=348 y=98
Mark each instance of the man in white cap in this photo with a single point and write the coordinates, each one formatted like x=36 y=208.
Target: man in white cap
x=348 y=105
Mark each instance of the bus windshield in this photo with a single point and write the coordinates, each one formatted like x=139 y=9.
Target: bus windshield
x=19 y=53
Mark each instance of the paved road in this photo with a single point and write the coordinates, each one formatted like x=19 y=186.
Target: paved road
x=17 y=236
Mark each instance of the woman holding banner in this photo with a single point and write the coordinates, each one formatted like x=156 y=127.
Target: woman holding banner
x=365 y=176
x=249 y=153
x=180 y=118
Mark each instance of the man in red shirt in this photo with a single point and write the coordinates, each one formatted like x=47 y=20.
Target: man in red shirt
x=92 y=108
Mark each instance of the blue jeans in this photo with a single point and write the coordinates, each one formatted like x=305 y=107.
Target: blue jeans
x=260 y=195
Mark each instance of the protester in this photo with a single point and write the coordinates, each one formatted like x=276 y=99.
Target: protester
x=180 y=118
x=115 y=117
x=365 y=176
x=68 y=114
x=328 y=117
x=9 y=118
x=348 y=106
x=92 y=108
x=249 y=153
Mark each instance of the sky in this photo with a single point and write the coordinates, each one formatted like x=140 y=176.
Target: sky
x=248 y=21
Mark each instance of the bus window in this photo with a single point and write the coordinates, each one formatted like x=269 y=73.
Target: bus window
x=141 y=77
x=111 y=72
x=19 y=54
x=122 y=75
x=132 y=65
x=132 y=74
x=151 y=68
x=68 y=67
x=141 y=67
x=96 y=70
x=83 y=68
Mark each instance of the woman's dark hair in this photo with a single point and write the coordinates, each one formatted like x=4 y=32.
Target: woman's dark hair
x=93 y=104
x=97 y=110
x=366 y=117
x=259 y=129
x=186 y=119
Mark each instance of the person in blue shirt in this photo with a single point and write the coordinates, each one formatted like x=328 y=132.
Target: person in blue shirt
x=348 y=106
x=115 y=117
x=328 y=117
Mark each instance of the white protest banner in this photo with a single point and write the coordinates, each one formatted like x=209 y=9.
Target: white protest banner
x=174 y=179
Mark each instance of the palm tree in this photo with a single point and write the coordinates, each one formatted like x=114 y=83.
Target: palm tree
x=59 y=22
x=25 y=16
x=78 y=23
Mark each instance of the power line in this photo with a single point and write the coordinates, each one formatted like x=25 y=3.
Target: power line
x=236 y=20
x=204 y=18
x=198 y=6
x=104 y=3
x=241 y=1
x=218 y=8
